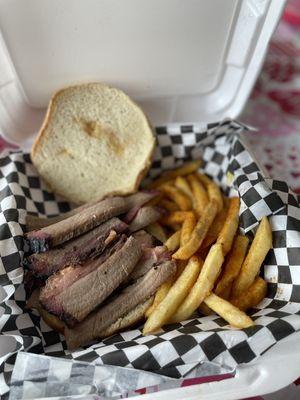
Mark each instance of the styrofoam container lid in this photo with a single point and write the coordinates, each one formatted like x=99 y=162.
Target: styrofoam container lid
x=183 y=61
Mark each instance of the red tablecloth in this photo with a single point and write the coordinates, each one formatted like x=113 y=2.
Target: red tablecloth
x=274 y=108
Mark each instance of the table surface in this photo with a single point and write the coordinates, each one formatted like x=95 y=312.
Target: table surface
x=274 y=108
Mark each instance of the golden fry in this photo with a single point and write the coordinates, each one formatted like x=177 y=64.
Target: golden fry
x=229 y=229
x=182 y=184
x=174 y=241
x=213 y=189
x=169 y=205
x=176 y=217
x=175 y=296
x=199 y=233
x=232 y=265
x=215 y=228
x=157 y=231
x=204 y=284
x=253 y=296
x=260 y=247
x=187 y=228
x=186 y=169
x=199 y=194
x=230 y=313
x=160 y=295
x=177 y=195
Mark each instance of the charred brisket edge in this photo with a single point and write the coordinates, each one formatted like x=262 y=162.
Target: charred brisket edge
x=40 y=241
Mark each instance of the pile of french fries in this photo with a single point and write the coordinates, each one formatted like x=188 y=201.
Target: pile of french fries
x=217 y=269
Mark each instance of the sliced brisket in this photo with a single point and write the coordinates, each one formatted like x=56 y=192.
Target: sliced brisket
x=145 y=216
x=133 y=295
x=77 y=250
x=78 y=300
x=60 y=281
x=151 y=257
x=83 y=221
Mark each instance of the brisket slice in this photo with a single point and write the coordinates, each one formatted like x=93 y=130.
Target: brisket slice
x=145 y=216
x=32 y=282
x=151 y=257
x=131 y=318
x=33 y=222
x=78 y=300
x=77 y=250
x=57 y=283
x=92 y=327
x=87 y=219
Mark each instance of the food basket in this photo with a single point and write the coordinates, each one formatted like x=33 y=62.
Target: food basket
x=179 y=77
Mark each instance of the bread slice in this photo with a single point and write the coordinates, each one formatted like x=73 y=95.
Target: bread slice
x=94 y=142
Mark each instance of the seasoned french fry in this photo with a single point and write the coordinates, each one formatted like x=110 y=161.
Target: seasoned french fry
x=187 y=228
x=259 y=248
x=176 y=217
x=215 y=228
x=213 y=189
x=199 y=194
x=253 y=296
x=175 y=296
x=186 y=169
x=159 y=296
x=232 y=265
x=174 y=241
x=230 y=313
x=199 y=233
x=165 y=287
x=182 y=184
x=157 y=231
x=177 y=195
x=169 y=205
x=204 y=284
x=229 y=229
x=205 y=310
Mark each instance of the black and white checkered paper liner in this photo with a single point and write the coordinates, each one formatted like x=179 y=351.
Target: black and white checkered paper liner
x=198 y=339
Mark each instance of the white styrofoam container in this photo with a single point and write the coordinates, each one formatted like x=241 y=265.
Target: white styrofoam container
x=183 y=61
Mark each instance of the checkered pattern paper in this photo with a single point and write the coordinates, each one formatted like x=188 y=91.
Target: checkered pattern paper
x=228 y=162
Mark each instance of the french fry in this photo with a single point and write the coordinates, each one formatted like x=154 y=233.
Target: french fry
x=169 y=205
x=175 y=296
x=176 y=195
x=253 y=296
x=176 y=217
x=187 y=228
x=203 y=286
x=165 y=287
x=259 y=248
x=159 y=296
x=186 y=169
x=213 y=189
x=227 y=311
x=232 y=265
x=199 y=194
x=174 y=241
x=182 y=184
x=215 y=228
x=199 y=233
x=229 y=229
x=157 y=231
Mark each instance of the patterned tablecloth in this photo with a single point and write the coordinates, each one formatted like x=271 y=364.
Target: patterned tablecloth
x=274 y=108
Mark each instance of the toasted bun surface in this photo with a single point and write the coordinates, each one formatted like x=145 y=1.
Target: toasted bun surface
x=95 y=141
